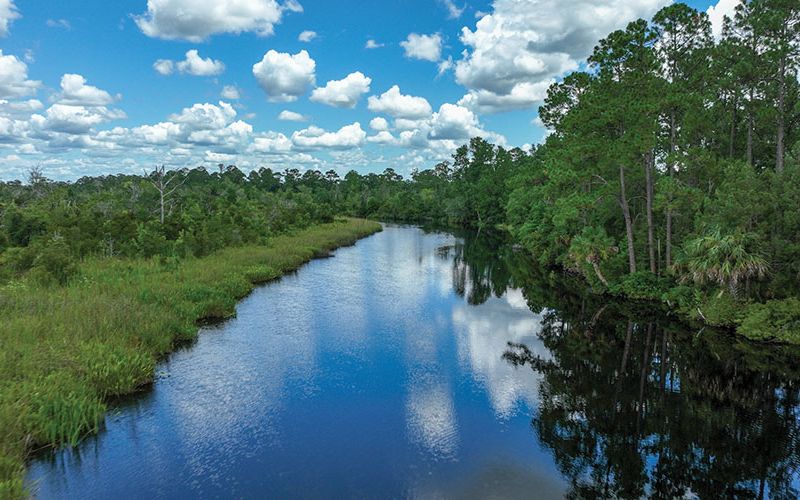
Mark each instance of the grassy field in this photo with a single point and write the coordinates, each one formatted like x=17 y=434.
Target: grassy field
x=64 y=351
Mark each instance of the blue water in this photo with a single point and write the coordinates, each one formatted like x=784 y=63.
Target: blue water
x=380 y=373
x=363 y=375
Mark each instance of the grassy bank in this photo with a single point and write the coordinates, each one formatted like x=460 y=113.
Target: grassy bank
x=64 y=351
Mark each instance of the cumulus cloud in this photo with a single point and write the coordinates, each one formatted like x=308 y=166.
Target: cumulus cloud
x=205 y=116
x=196 y=20
x=197 y=66
x=343 y=93
x=372 y=44
x=284 y=77
x=75 y=119
x=716 y=14
x=455 y=123
x=75 y=92
x=14 y=78
x=8 y=12
x=397 y=105
x=291 y=116
x=424 y=47
x=230 y=92
x=382 y=137
x=522 y=44
x=522 y=95
x=271 y=143
x=307 y=36
x=349 y=136
x=193 y=64
x=379 y=124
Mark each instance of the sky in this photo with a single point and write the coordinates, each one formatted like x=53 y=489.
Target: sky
x=93 y=87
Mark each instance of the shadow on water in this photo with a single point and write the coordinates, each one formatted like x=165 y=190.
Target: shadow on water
x=633 y=403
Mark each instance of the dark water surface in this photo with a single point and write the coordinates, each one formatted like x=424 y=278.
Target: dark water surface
x=422 y=365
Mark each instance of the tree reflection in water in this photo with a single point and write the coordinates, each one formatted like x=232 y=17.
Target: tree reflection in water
x=634 y=404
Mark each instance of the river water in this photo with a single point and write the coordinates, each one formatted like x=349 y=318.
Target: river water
x=424 y=365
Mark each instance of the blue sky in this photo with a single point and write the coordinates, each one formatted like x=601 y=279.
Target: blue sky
x=81 y=92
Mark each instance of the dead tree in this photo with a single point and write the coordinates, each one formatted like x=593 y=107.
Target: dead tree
x=165 y=183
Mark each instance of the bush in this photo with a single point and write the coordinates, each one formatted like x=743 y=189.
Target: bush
x=643 y=285
x=54 y=264
x=774 y=320
x=722 y=310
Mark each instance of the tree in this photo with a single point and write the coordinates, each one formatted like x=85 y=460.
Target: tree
x=162 y=180
x=724 y=260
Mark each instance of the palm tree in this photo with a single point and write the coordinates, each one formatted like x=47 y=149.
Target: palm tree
x=592 y=247
x=721 y=259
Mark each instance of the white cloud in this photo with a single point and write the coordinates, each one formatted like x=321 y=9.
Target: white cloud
x=716 y=14
x=271 y=143
x=285 y=77
x=455 y=123
x=424 y=47
x=307 y=36
x=206 y=116
x=379 y=124
x=197 y=66
x=382 y=137
x=8 y=12
x=349 y=136
x=75 y=92
x=75 y=119
x=291 y=116
x=193 y=64
x=445 y=65
x=14 y=78
x=196 y=20
x=372 y=44
x=453 y=11
x=20 y=107
x=230 y=92
x=524 y=43
x=59 y=23
x=397 y=105
x=522 y=95
x=164 y=66
x=343 y=93
x=292 y=6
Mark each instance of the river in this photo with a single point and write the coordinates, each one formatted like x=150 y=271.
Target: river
x=424 y=365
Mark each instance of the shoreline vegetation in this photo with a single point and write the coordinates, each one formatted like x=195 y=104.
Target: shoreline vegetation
x=67 y=350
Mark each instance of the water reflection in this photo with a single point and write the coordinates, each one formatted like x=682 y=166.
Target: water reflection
x=428 y=365
x=632 y=405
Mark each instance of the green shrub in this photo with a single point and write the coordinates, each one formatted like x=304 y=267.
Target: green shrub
x=774 y=320
x=54 y=264
x=642 y=285
x=721 y=310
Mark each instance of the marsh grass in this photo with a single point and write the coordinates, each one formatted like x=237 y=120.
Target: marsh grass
x=65 y=350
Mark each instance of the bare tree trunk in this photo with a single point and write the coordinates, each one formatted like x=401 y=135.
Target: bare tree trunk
x=780 y=153
x=732 y=135
x=597 y=271
x=648 y=174
x=750 y=126
x=626 y=214
x=668 y=243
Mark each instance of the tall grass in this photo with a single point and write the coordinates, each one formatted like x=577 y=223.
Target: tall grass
x=65 y=350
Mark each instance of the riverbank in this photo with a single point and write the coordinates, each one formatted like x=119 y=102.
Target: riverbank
x=64 y=351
